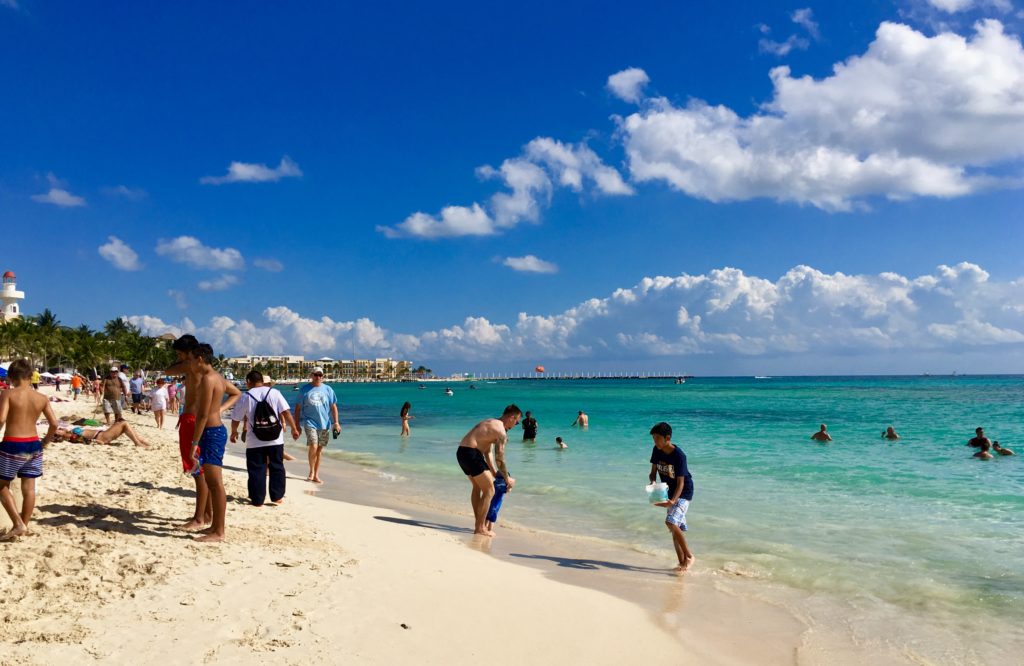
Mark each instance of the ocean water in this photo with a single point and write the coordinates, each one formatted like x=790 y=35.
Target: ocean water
x=916 y=526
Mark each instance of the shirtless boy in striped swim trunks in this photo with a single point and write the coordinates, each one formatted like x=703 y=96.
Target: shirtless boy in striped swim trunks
x=21 y=452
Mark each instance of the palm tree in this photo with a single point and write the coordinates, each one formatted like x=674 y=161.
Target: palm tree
x=116 y=327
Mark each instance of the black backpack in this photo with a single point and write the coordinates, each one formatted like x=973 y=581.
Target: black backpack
x=265 y=424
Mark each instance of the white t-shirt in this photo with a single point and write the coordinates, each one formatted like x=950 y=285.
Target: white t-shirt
x=245 y=409
x=158 y=396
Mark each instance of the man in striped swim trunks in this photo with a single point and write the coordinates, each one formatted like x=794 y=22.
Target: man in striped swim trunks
x=21 y=452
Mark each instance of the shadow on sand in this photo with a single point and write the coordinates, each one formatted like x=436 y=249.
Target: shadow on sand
x=593 y=565
x=110 y=519
x=146 y=485
x=421 y=523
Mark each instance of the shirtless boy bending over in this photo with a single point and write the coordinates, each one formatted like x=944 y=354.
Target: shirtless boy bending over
x=210 y=435
x=21 y=452
x=475 y=458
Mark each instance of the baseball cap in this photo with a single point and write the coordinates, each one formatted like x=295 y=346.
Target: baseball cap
x=317 y=370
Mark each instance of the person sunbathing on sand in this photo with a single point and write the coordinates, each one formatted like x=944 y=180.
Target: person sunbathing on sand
x=100 y=434
x=21 y=452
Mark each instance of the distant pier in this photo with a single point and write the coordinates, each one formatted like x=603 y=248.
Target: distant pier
x=563 y=376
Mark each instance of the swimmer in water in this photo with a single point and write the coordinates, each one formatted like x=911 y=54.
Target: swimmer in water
x=984 y=454
x=822 y=435
x=561 y=444
x=1001 y=450
x=890 y=434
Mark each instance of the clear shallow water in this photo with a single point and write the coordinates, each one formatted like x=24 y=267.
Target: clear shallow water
x=916 y=524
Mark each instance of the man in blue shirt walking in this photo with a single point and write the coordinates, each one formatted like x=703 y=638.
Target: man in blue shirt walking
x=317 y=414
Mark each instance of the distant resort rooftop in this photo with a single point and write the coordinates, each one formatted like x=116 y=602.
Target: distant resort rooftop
x=290 y=365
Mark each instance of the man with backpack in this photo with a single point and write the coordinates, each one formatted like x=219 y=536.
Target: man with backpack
x=263 y=409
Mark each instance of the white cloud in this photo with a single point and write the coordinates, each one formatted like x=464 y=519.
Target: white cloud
x=573 y=165
x=118 y=253
x=783 y=48
x=221 y=283
x=268 y=264
x=244 y=172
x=628 y=85
x=724 y=316
x=189 y=250
x=453 y=221
x=805 y=19
x=951 y=6
x=913 y=116
x=530 y=180
x=802 y=17
x=530 y=264
x=58 y=195
x=179 y=298
x=123 y=191
x=954 y=6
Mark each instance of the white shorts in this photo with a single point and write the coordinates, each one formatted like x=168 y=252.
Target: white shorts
x=677 y=514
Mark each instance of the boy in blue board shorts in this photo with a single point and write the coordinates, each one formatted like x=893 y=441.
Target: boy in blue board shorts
x=669 y=462
x=21 y=451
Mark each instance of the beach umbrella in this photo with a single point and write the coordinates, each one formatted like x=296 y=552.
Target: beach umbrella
x=63 y=376
x=5 y=365
x=3 y=372
x=46 y=375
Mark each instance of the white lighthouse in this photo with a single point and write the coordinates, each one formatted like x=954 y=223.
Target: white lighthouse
x=10 y=297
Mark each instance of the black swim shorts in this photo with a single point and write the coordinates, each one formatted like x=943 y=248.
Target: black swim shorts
x=471 y=461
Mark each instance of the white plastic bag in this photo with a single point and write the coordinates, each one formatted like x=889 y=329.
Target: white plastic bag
x=657 y=492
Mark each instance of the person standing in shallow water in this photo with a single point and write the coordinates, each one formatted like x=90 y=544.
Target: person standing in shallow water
x=406 y=417
x=669 y=462
x=822 y=434
x=529 y=427
x=475 y=458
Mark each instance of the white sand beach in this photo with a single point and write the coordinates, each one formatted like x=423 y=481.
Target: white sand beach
x=107 y=577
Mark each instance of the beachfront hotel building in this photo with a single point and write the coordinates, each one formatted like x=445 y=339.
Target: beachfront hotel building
x=356 y=370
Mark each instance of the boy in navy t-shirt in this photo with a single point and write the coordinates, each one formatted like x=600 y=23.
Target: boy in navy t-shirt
x=669 y=462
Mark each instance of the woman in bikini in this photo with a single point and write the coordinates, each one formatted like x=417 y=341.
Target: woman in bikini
x=406 y=417
x=100 y=435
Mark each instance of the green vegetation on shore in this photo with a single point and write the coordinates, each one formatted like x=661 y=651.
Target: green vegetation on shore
x=47 y=342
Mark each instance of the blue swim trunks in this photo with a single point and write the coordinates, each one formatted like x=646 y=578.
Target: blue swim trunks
x=211 y=446
x=500 y=488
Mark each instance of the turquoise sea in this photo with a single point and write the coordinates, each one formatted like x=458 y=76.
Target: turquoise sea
x=916 y=526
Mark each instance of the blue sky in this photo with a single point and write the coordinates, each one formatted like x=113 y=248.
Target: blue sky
x=344 y=121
